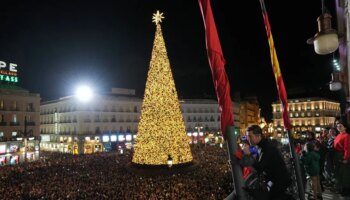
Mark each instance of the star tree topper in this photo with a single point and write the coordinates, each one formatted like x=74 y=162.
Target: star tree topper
x=157 y=17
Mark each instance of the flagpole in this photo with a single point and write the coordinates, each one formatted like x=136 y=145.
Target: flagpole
x=236 y=168
x=282 y=93
x=296 y=164
x=222 y=88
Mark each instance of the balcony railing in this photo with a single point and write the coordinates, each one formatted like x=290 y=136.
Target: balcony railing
x=3 y=123
x=30 y=123
x=14 y=123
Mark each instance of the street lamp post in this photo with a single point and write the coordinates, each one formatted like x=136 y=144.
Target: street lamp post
x=25 y=138
x=170 y=161
x=198 y=131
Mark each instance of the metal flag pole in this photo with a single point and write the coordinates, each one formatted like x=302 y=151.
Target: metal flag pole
x=296 y=164
x=236 y=169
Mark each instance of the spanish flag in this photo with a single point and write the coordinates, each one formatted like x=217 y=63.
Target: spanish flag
x=276 y=69
x=217 y=65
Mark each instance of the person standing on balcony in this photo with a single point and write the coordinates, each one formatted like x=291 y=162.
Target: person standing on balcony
x=342 y=157
x=269 y=162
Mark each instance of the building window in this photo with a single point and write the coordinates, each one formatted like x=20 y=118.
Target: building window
x=30 y=107
x=212 y=119
x=14 y=133
x=113 y=119
x=1 y=104
x=1 y=134
x=309 y=114
x=303 y=114
x=14 y=118
x=296 y=114
x=317 y=114
x=290 y=114
x=98 y=130
x=316 y=107
x=14 y=105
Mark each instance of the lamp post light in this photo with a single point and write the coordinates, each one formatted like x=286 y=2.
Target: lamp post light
x=25 y=139
x=325 y=40
x=198 y=131
x=170 y=161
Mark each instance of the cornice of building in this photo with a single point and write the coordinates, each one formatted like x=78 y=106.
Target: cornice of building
x=305 y=100
x=15 y=90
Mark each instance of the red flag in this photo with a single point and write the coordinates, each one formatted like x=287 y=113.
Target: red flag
x=217 y=66
x=276 y=69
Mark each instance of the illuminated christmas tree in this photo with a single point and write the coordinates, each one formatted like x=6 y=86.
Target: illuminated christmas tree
x=161 y=131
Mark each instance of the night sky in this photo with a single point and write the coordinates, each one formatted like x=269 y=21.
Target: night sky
x=108 y=43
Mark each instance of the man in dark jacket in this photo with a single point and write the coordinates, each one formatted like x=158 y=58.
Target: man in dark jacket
x=270 y=162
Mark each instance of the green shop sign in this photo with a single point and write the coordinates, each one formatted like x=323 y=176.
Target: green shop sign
x=8 y=72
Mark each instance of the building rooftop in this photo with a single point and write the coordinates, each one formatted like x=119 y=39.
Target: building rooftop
x=300 y=100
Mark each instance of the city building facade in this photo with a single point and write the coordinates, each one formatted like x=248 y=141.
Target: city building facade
x=19 y=124
x=249 y=113
x=110 y=120
x=311 y=114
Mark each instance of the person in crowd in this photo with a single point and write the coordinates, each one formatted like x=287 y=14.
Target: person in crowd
x=329 y=165
x=310 y=138
x=342 y=157
x=320 y=148
x=311 y=161
x=270 y=162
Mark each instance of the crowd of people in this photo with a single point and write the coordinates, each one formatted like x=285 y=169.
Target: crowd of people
x=326 y=160
x=106 y=176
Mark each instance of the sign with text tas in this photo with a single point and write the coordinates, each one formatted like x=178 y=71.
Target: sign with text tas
x=8 y=72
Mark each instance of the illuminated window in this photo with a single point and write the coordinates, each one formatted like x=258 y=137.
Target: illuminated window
x=14 y=118
x=290 y=114
x=317 y=114
x=316 y=107
x=14 y=133
x=113 y=138
x=303 y=114
x=1 y=134
x=1 y=104
x=296 y=114
x=309 y=114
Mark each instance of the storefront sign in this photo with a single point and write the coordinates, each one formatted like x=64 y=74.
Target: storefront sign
x=8 y=72
x=2 y=149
